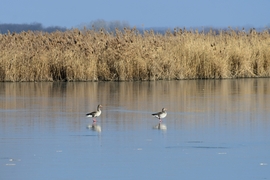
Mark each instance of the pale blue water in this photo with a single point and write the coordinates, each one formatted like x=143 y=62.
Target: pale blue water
x=216 y=129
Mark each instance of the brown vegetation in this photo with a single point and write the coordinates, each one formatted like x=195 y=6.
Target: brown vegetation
x=90 y=55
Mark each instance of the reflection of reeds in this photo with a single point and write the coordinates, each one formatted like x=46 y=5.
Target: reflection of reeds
x=90 y=55
x=192 y=103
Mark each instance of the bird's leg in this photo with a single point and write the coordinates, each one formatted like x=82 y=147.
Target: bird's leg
x=94 y=121
x=160 y=121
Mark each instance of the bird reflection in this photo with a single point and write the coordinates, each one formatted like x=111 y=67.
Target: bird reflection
x=94 y=127
x=160 y=126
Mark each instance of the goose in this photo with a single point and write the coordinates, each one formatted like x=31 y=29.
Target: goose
x=160 y=115
x=95 y=114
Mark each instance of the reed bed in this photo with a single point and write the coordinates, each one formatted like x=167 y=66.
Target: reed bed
x=88 y=55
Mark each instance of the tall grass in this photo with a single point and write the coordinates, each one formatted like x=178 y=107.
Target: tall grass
x=90 y=55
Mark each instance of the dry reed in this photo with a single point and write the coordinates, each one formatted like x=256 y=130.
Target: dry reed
x=90 y=55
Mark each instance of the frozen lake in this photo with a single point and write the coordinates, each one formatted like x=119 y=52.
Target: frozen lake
x=216 y=129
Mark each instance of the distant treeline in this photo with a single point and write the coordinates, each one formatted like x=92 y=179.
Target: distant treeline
x=111 y=26
x=17 y=28
x=93 y=25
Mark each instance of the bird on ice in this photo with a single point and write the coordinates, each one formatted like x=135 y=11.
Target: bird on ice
x=160 y=115
x=95 y=114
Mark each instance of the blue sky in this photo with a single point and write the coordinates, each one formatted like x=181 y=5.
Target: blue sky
x=149 y=13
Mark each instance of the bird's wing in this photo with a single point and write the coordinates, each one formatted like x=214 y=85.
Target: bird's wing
x=91 y=114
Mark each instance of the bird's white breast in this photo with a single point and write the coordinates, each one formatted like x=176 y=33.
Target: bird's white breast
x=163 y=115
x=98 y=113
